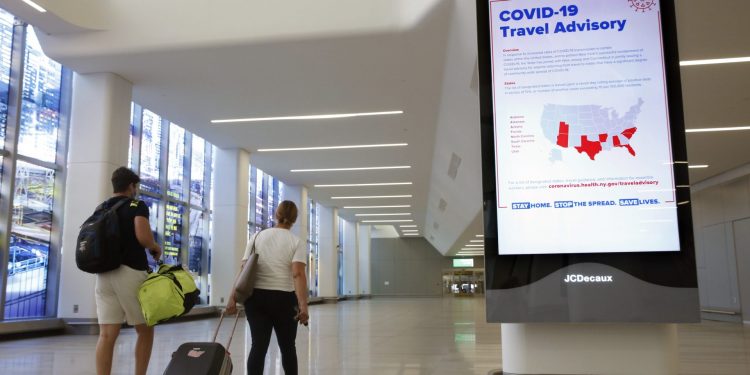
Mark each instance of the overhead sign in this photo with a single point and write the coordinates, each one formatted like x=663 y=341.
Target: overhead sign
x=583 y=152
x=463 y=263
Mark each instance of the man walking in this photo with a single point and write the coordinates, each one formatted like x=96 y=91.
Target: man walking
x=117 y=290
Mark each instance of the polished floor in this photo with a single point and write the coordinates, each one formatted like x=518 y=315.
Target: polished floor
x=421 y=336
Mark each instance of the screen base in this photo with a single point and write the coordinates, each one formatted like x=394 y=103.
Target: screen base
x=590 y=349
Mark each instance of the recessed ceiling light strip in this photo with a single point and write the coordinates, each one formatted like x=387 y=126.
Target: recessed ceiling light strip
x=35 y=6
x=711 y=130
x=730 y=60
x=387 y=214
x=699 y=166
x=363 y=207
x=306 y=117
x=388 y=221
x=358 y=185
x=331 y=147
x=375 y=197
x=350 y=169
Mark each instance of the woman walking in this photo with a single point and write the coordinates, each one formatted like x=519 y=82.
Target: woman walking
x=279 y=301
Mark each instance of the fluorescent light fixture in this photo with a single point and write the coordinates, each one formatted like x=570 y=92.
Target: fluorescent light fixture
x=375 y=197
x=362 y=207
x=389 y=214
x=471 y=249
x=411 y=234
x=476 y=241
x=35 y=6
x=682 y=203
x=331 y=147
x=711 y=130
x=358 y=185
x=409 y=230
x=698 y=166
x=407 y=226
x=468 y=254
x=388 y=221
x=350 y=169
x=683 y=186
x=715 y=61
x=472 y=245
x=479 y=235
x=307 y=117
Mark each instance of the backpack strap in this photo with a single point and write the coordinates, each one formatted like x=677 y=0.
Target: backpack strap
x=119 y=204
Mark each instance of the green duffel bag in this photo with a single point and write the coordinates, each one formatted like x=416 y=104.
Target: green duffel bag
x=167 y=293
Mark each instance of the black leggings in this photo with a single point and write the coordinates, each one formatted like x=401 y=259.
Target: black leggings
x=269 y=310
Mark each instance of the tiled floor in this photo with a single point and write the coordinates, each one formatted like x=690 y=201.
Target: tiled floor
x=381 y=336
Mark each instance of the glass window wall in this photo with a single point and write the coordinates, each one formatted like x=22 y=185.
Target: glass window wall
x=33 y=169
x=175 y=189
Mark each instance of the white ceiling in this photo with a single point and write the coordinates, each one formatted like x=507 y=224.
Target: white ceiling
x=193 y=62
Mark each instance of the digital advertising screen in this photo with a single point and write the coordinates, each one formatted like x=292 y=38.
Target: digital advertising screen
x=583 y=155
x=587 y=214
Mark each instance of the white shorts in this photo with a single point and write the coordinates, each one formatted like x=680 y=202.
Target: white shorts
x=117 y=296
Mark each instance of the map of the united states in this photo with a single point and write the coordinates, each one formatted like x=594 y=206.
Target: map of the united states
x=590 y=129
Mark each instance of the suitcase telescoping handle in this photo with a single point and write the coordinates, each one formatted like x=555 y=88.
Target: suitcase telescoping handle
x=234 y=328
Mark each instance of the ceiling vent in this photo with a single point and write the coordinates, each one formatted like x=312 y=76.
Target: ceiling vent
x=442 y=205
x=453 y=168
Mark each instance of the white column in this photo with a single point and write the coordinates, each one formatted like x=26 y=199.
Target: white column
x=230 y=231
x=363 y=236
x=351 y=259
x=328 y=253
x=298 y=195
x=589 y=348
x=99 y=133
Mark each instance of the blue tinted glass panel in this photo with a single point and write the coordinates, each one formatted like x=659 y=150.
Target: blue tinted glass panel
x=173 y=233
x=197 y=171
x=176 y=161
x=132 y=135
x=40 y=105
x=271 y=202
x=150 y=152
x=153 y=219
x=195 y=248
x=260 y=200
x=6 y=44
x=29 y=242
x=196 y=244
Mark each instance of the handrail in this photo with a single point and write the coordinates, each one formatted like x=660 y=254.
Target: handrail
x=27 y=265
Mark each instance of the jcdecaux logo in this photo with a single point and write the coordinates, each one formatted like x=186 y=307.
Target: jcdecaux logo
x=588 y=279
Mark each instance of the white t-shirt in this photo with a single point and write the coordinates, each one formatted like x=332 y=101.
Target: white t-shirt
x=277 y=248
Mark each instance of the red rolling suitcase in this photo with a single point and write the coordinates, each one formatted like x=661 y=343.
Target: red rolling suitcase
x=203 y=358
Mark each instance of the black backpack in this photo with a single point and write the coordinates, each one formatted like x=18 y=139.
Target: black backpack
x=99 y=247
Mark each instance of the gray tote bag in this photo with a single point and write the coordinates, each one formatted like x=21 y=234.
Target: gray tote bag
x=245 y=284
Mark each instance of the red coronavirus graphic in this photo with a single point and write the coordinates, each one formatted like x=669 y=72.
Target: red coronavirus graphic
x=642 y=5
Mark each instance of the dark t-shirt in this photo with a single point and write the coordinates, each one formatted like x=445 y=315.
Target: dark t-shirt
x=134 y=255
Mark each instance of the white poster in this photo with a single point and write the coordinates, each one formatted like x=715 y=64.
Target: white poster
x=582 y=135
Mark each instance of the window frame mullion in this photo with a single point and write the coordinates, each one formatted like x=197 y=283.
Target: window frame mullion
x=12 y=136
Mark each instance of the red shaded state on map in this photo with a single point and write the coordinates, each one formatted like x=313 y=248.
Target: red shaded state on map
x=603 y=138
x=616 y=142
x=628 y=133
x=590 y=148
x=562 y=135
